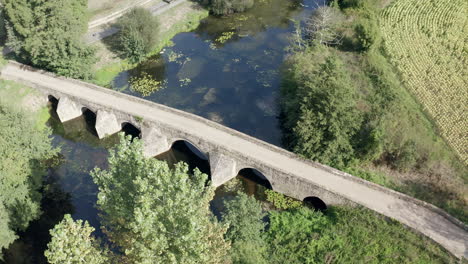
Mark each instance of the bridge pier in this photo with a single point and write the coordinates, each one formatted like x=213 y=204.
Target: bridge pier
x=67 y=109
x=154 y=142
x=106 y=124
x=222 y=168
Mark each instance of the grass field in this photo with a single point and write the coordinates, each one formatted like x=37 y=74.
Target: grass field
x=26 y=98
x=426 y=41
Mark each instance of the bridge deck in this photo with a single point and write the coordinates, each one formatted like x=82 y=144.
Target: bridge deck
x=422 y=218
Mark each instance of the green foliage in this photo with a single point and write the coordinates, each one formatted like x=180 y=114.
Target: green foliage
x=320 y=106
x=23 y=147
x=367 y=34
x=293 y=235
x=72 y=243
x=47 y=34
x=346 y=235
x=244 y=215
x=282 y=201
x=156 y=214
x=2 y=28
x=225 y=7
x=138 y=33
x=145 y=84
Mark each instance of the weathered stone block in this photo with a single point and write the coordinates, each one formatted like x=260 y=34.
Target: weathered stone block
x=67 y=109
x=223 y=168
x=154 y=142
x=106 y=124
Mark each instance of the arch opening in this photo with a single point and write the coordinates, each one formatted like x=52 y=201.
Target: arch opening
x=255 y=176
x=53 y=102
x=90 y=120
x=315 y=203
x=130 y=129
x=182 y=150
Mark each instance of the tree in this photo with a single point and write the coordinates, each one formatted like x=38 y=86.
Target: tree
x=320 y=107
x=156 y=214
x=2 y=26
x=138 y=33
x=244 y=215
x=47 y=34
x=23 y=147
x=72 y=243
x=321 y=26
x=225 y=7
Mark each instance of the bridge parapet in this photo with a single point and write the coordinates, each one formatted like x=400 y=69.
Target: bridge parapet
x=287 y=173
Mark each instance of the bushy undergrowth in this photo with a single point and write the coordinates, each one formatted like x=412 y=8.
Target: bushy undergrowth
x=341 y=235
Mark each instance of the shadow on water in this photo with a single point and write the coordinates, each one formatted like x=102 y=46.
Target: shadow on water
x=32 y=243
x=228 y=69
x=188 y=153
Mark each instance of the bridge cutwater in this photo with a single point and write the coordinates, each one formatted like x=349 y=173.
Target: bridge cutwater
x=230 y=151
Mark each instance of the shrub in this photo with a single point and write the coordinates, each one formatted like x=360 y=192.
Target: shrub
x=138 y=34
x=367 y=34
x=225 y=7
x=281 y=201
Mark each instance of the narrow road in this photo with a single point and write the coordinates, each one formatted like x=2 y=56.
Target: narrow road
x=451 y=236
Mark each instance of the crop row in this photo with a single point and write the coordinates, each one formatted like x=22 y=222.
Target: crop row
x=427 y=42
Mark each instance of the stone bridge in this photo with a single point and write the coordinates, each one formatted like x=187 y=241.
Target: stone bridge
x=229 y=151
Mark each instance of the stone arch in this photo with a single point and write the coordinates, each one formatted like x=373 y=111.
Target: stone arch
x=255 y=176
x=53 y=101
x=89 y=117
x=315 y=203
x=130 y=129
x=184 y=150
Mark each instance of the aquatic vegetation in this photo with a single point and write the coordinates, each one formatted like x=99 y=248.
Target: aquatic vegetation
x=145 y=84
x=225 y=36
x=173 y=56
x=213 y=46
x=185 y=81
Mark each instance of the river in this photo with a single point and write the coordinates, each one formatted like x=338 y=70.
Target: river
x=233 y=80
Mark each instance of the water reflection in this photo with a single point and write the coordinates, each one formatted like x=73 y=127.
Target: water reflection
x=228 y=69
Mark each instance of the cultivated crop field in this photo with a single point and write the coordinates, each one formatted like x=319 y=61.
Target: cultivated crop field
x=427 y=41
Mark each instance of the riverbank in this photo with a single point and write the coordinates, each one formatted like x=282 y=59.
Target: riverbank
x=181 y=18
x=388 y=139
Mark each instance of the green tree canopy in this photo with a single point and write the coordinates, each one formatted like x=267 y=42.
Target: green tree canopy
x=23 y=147
x=156 y=214
x=72 y=243
x=138 y=33
x=320 y=106
x=244 y=215
x=47 y=34
x=225 y=7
